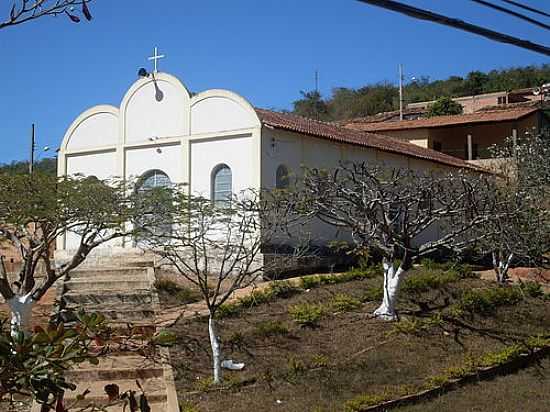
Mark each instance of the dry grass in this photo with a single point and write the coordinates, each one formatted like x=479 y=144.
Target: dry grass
x=349 y=354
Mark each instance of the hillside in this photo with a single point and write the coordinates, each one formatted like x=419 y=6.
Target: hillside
x=346 y=103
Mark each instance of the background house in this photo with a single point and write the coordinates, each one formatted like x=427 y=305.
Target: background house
x=466 y=136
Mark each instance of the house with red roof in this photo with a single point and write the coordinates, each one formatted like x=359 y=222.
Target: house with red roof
x=466 y=136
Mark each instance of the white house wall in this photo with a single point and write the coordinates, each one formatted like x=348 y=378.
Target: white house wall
x=235 y=152
x=156 y=109
x=98 y=130
x=143 y=159
x=217 y=114
x=297 y=152
x=100 y=165
x=153 y=131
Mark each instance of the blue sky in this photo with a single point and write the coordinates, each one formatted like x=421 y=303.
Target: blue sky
x=266 y=51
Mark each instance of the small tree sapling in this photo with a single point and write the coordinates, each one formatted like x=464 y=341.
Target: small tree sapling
x=218 y=247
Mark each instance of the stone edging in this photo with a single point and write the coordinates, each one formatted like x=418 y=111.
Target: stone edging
x=486 y=373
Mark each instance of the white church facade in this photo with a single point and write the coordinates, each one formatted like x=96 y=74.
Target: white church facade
x=216 y=142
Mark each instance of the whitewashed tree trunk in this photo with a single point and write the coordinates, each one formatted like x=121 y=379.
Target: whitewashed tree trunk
x=216 y=350
x=392 y=279
x=21 y=312
x=502 y=266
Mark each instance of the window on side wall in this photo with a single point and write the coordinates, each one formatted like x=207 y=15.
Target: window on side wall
x=221 y=185
x=282 y=178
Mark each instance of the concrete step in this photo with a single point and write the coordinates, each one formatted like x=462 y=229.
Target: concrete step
x=108 y=297
x=114 y=374
x=110 y=273
x=127 y=315
x=154 y=389
x=115 y=285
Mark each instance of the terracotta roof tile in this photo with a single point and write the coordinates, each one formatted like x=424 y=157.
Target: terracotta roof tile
x=330 y=131
x=485 y=116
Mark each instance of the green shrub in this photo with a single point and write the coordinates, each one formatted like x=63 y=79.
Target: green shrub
x=271 y=328
x=310 y=282
x=428 y=280
x=283 y=289
x=485 y=301
x=320 y=361
x=344 y=303
x=228 y=310
x=255 y=298
x=307 y=314
x=532 y=289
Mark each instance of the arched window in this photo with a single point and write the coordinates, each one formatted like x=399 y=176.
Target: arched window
x=221 y=185
x=153 y=179
x=282 y=179
x=154 y=221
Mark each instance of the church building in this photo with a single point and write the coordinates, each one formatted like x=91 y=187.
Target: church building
x=217 y=143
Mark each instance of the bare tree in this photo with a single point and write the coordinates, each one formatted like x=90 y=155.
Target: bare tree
x=401 y=213
x=518 y=230
x=217 y=247
x=22 y=11
x=35 y=211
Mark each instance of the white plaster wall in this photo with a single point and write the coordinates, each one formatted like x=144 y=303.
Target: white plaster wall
x=100 y=129
x=236 y=152
x=297 y=151
x=146 y=117
x=218 y=114
x=143 y=159
x=100 y=165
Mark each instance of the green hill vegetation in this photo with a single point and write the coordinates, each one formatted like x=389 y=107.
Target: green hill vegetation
x=346 y=103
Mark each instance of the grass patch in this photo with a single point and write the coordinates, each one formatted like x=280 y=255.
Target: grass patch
x=271 y=328
x=344 y=303
x=307 y=314
x=486 y=300
x=372 y=294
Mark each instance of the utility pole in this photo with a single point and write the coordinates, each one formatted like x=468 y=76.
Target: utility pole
x=317 y=81
x=33 y=147
x=400 y=92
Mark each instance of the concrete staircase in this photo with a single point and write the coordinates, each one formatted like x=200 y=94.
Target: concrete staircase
x=124 y=295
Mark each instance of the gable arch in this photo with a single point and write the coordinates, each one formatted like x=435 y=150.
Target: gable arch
x=155 y=106
x=219 y=110
x=95 y=128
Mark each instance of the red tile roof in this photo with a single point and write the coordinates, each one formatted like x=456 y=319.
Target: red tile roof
x=486 y=116
x=329 y=131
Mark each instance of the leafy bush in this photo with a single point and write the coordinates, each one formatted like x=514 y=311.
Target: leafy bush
x=271 y=328
x=344 y=303
x=307 y=314
x=283 y=289
x=428 y=280
x=532 y=289
x=310 y=282
x=485 y=301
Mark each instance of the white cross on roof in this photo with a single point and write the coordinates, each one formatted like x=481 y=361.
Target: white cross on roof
x=155 y=59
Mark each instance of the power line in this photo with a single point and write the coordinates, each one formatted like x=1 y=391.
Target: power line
x=513 y=13
x=459 y=24
x=522 y=6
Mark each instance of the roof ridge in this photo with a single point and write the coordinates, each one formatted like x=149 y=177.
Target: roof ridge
x=340 y=134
